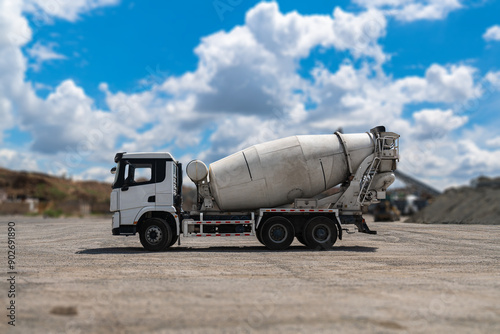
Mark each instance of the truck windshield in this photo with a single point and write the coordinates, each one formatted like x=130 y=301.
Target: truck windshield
x=117 y=173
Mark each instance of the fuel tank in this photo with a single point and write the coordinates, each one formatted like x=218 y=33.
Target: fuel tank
x=275 y=173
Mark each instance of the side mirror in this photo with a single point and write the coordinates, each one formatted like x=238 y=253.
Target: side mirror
x=113 y=170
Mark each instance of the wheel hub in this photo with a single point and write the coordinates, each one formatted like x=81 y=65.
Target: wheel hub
x=154 y=235
x=278 y=233
x=321 y=233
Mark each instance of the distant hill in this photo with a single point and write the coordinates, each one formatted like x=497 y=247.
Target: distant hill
x=54 y=195
x=24 y=192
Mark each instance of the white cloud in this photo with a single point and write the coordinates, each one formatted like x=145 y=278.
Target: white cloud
x=14 y=33
x=356 y=97
x=472 y=157
x=48 y=119
x=41 y=86
x=63 y=126
x=42 y=53
x=14 y=28
x=69 y=10
x=445 y=159
x=413 y=10
x=448 y=161
x=492 y=34
x=6 y=115
x=450 y=84
x=493 y=78
x=294 y=35
x=251 y=71
x=493 y=142
x=252 y=68
x=17 y=160
x=95 y=173
x=433 y=124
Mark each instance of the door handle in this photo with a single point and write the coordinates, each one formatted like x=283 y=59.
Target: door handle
x=152 y=199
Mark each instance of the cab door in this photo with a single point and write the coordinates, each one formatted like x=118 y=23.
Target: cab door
x=138 y=189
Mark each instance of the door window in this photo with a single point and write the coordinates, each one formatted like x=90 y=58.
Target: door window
x=142 y=174
x=135 y=172
x=138 y=173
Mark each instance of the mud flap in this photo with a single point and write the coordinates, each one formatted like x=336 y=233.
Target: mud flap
x=363 y=228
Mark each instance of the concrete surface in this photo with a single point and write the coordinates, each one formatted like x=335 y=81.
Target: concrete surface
x=73 y=276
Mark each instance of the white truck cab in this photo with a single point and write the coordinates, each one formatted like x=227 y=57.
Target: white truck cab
x=146 y=185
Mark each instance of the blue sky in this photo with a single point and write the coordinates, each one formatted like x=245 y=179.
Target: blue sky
x=84 y=79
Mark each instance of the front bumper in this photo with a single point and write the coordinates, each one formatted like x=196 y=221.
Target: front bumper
x=125 y=230
x=118 y=229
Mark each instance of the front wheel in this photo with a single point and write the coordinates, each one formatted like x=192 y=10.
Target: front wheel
x=155 y=235
x=320 y=233
x=277 y=233
x=175 y=237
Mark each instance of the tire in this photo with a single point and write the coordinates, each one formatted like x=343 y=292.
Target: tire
x=259 y=237
x=155 y=235
x=174 y=239
x=277 y=233
x=320 y=233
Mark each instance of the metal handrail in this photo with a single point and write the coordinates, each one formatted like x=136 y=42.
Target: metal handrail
x=382 y=144
x=368 y=175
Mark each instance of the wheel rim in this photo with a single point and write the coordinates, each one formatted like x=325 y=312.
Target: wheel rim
x=278 y=233
x=154 y=235
x=321 y=233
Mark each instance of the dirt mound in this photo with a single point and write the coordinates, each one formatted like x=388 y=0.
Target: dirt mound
x=465 y=205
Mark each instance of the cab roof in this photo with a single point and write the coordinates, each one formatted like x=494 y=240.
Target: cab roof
x=143 y=155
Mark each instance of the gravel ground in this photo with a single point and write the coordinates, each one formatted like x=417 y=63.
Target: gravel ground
x=73 y=276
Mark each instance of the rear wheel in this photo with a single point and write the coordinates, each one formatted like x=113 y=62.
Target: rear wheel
x=258 y=235
x=277 y=233
x=320 y=233
x=155 y=234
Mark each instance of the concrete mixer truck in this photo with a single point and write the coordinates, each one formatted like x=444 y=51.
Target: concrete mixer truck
x=274 y=191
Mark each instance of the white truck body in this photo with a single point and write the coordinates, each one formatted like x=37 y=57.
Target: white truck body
x=271 y=190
